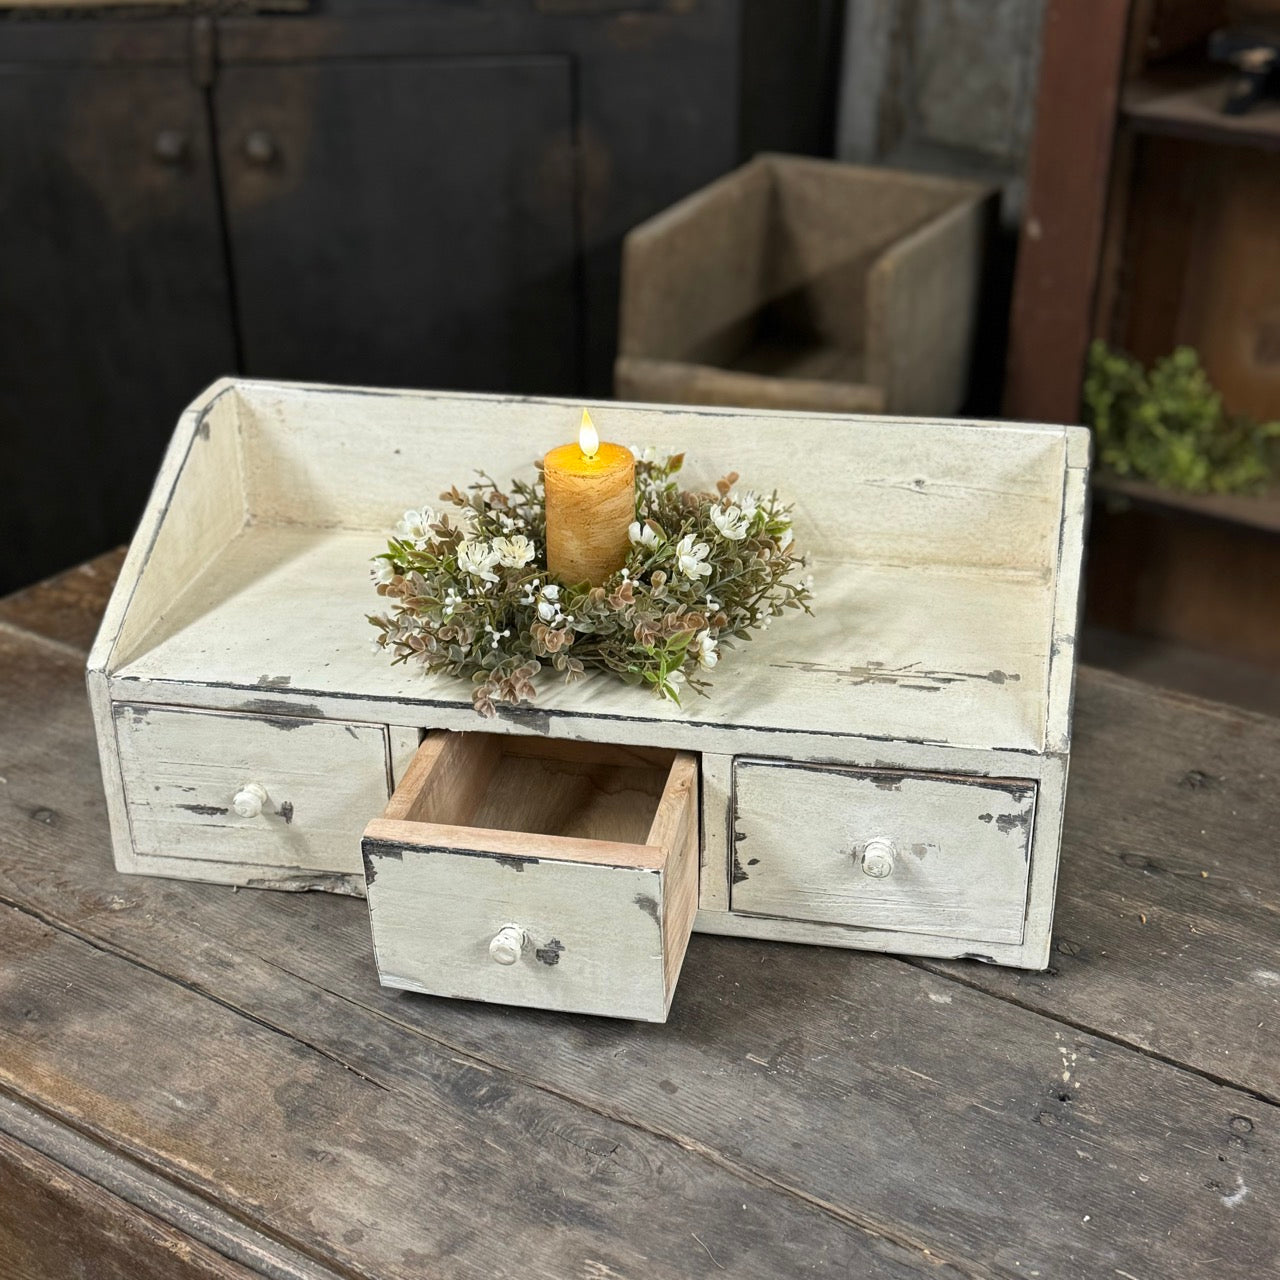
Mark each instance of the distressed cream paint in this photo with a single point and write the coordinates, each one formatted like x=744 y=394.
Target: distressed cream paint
x=923 y=713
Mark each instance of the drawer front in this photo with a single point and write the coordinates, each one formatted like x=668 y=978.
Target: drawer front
x=277 y=792
x=913 y=853
x=586 y=937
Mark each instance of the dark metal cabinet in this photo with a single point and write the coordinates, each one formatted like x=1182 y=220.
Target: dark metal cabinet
x=407 y=222
x=113 y=298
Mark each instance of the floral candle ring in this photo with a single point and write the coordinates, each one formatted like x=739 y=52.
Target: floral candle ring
x=676 y=577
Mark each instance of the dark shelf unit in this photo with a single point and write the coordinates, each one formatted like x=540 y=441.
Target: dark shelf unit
x=1249 y=511
x=1187 y=103
x=1150 y=222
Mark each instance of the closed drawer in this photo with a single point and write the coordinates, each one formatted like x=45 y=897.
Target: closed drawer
x=914 y=853
x=271 y=792
x=530 y=872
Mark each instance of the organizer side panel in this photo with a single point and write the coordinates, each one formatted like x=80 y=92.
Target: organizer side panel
x=196 y=519
x=1066 y=611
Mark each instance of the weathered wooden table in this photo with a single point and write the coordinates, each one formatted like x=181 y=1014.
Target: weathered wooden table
x=199 y=1082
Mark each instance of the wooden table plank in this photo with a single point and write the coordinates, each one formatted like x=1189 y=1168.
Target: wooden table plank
x=335 y=1130
x=67 y=608
x=392 y=1160
x=894 y=1105
x=53 y=1221
x=1167 y=932
x=142 y=1197
x=937 y=1117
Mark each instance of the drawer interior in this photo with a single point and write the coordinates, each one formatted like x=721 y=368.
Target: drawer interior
x=583 y=790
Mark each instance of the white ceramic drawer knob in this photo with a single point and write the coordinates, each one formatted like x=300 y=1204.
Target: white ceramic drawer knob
x=878 y=858
x=507 y=944
x=249 y=800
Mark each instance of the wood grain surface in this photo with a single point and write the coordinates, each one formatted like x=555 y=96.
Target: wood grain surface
x=223 y=1067
x=54 y=1222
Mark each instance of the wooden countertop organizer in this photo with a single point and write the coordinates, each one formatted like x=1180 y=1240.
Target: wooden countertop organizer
x=887 y=775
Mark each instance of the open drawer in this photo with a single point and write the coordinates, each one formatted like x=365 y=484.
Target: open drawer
x=561 y=875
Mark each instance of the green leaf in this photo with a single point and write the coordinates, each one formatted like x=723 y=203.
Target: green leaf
x=1168 y=425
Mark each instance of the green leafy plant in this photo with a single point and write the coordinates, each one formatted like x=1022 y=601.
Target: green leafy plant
x=1168 y=425
x=468 y=594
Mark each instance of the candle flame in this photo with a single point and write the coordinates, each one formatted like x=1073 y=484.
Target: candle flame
x=588 y=437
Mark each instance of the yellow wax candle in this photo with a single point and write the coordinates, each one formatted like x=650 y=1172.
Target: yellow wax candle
x=591 y=502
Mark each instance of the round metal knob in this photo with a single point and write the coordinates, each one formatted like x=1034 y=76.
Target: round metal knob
x=259 y=147
x=170 y=146
x=507 y=944
x=249 y=800
x=878 y=858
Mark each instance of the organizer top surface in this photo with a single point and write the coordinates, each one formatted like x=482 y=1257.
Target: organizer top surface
x=904 y=652
x=936 y=548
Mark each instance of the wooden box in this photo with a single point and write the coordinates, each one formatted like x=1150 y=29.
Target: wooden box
x=806 y=284
x=888 y=774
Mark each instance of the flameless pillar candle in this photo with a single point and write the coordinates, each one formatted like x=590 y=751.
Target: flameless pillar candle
x=591 y=502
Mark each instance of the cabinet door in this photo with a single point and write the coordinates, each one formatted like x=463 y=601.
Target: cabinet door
x=404 y=222
x=113 y=299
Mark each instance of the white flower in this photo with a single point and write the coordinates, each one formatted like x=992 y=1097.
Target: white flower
x=478 y=558
x=671 y=685
x=415 y=526
x=644 y=534
x=381 y=569
x=691 y=557
x=513 y=552
x=786 y=538
x=749 y=502
x=705 y=648
x=497 y=635
x=549 y=603
x=731 y=521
